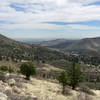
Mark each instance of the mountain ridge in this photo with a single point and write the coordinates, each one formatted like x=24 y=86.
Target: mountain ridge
x=86 y=46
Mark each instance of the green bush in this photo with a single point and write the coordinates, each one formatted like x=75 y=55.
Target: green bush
x=64 y=80
x=10 y=69
x=27 y=69
x=4 y=68
x=7 y=69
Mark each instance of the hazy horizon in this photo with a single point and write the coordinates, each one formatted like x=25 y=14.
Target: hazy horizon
x=44 y=38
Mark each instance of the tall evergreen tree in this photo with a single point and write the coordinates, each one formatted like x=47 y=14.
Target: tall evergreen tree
x=75 y=74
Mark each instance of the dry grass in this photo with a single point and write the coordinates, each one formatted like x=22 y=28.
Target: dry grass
x=45 y=90
x=8 y=63
x=48 y=67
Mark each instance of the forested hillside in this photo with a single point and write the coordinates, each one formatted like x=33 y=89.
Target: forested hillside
x=17 y=51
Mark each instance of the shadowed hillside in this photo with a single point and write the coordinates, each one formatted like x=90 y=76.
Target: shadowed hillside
x=87 y=46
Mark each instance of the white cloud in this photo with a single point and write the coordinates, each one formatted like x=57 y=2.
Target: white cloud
x=82 y=27
x=50 y=10
x=55 y=10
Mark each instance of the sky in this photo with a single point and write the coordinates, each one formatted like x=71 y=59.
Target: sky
x=50 y=18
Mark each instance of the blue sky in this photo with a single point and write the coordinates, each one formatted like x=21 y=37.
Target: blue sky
x=50 y=18
x=88 y=23
x=93 y=3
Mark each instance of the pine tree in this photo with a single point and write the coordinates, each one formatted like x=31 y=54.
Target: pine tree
x=75 y=74
x=64 y=80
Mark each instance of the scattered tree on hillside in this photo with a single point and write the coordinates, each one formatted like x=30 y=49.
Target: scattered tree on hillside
x=27 y=69
x=64 y=80
x=75 y=75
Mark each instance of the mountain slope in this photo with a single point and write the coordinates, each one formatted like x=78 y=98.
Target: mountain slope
x=52 y=42
x=57 y=44
x=87 y=46
x=23 y=51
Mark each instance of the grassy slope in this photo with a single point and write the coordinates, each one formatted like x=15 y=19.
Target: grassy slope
x=45 y=90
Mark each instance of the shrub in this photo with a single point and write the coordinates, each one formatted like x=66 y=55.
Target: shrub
x=64 y=80
x=2 y=76
x=27 y=69
x=6 y=68
x=87 y=90
x=10 y=69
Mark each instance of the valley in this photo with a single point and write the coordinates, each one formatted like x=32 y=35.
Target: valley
x=49 y=49
x=50 y=60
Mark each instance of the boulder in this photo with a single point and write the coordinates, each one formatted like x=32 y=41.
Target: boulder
x=7 y=75
x=3 y=96
x=11 y=82
x=16 y=90
x=31 y=97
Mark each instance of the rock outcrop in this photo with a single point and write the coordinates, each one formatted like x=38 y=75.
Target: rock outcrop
x=11 y=89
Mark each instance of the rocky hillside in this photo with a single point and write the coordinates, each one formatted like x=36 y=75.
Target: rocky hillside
x=15 y=87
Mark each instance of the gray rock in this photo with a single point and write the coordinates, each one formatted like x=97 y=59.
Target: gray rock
x=31 y=97
x=11 y=82
x=3 y=96
x=16 y=90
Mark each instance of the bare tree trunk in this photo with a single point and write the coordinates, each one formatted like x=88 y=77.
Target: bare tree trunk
x=63 y=90
x=73 y=87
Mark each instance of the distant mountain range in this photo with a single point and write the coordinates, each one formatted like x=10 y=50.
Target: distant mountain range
x=32 y=40
x=46 y=49
x=87 y=46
